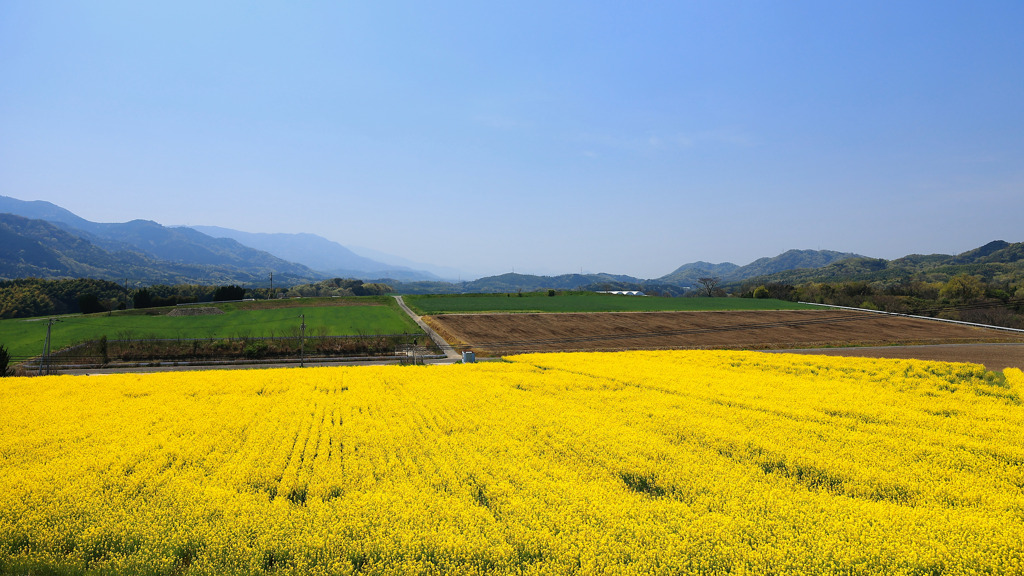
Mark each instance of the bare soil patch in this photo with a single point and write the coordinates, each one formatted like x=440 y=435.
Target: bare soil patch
x=502 y=334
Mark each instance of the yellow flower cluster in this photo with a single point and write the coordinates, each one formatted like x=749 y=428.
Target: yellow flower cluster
x=598 y=463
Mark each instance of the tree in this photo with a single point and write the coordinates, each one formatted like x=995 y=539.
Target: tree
x=709 y=285
x=781 y=291
x=5 y=361
x=90 y=304
x=227 y=293
x=962 y=288
x=142 y=299
x=377 y=288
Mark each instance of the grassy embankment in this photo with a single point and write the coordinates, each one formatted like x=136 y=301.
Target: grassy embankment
x=584 y=302
x=323 y=316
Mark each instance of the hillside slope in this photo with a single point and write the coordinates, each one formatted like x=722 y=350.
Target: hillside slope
x=318 y=253
x=36 y=248
x=687 y=274
x=144 y=248
x=996 y=261
x=287 y=255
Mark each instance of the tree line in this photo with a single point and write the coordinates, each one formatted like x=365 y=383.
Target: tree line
x=963 y=297
x=29 y=297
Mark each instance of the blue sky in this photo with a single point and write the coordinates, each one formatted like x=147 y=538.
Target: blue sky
x=542 y=137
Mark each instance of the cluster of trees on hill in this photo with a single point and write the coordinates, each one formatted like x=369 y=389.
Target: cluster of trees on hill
x=338 y=287
x=963 y=297
x=158 y=296
x=28 y=297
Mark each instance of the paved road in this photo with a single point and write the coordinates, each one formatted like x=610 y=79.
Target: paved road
x=445 y=347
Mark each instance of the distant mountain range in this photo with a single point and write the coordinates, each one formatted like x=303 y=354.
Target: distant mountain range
x=41 y=239
x=512 y=282
x=147 y=252
x=688 y=274
x=995 y=260
x=37 y=248
x=319 y=253
x=677 y=282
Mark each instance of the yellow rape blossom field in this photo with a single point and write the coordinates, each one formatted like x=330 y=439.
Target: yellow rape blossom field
x=694 y=462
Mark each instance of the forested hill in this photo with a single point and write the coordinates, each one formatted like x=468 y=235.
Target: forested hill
x=687 y=274
x=318 y=253
x=997 y=261
x=43 y=210
x=294 y=255
x=36 y=248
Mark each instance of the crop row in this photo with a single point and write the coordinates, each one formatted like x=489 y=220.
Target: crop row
x=621 y=463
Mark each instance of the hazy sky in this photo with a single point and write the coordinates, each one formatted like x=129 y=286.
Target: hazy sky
x=545 y=137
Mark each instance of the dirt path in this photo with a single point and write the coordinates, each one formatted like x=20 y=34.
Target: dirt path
x=445 y=347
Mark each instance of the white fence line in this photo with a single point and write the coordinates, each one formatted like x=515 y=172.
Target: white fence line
x=918 y=317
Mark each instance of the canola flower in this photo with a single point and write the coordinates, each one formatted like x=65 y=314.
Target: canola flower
x=694 y=462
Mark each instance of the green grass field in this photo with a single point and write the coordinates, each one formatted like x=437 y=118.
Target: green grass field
x=584 y=302
x=324 y=316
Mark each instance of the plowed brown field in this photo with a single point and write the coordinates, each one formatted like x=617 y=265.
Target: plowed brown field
x=502 y=334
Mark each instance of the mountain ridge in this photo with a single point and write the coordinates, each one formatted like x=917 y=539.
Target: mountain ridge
x=144 y=248
x=993 y=260
x=317 y=253
x=303 y=254
x=728 y=272
x=41 y=249
x=48 y=241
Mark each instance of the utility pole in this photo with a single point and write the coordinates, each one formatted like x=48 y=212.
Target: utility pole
x=46 y=349
x=271 y=286
x=302 y=342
